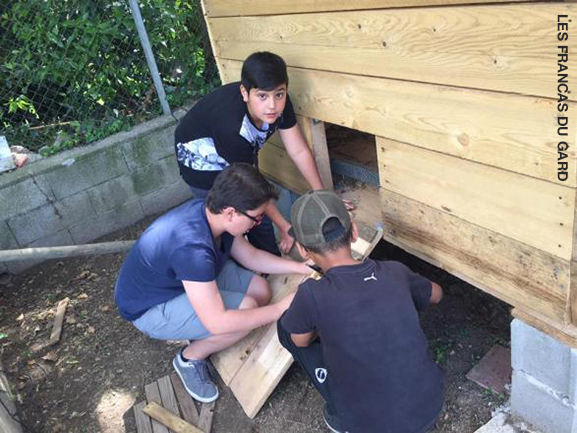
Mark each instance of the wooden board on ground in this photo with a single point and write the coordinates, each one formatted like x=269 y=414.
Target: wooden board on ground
x=253 y=367
x=169 y=408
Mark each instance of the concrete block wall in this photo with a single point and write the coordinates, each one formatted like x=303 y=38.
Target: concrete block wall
x=85 y=193
x=544 y=379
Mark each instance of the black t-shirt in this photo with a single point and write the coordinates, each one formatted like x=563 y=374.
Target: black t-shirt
x=381 y=375
x=218 y=131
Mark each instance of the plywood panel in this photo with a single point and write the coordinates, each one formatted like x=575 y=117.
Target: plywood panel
x=275 y=7
x=505 y=48
x=532 y=211
x=275 y=163
x=517 y=133
x=512 y=271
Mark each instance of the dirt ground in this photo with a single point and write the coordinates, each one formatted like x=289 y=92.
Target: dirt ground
x=90 y=380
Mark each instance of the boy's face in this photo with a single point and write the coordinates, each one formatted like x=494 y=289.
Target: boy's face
x=265 y=106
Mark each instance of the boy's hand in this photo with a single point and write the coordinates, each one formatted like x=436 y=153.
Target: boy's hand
x=285 y=302
x=286 y=241
x=349 y=204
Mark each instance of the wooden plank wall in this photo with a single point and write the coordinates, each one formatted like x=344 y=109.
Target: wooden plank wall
x=463 y=100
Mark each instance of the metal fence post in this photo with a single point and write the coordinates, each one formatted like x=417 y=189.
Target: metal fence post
x=149 y=56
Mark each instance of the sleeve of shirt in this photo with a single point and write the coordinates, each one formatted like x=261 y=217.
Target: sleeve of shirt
x=420 y=288
x=193 y=264
x=299 y=318
x=288 y=119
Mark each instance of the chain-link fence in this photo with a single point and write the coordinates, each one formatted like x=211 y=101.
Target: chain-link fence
x=73 y=71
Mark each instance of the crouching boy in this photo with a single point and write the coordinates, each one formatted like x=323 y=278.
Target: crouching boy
x=356 y=331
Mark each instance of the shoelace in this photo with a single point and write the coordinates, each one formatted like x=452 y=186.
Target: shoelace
x=204 y=372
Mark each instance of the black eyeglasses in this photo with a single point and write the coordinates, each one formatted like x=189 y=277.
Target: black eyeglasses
x=256 y=219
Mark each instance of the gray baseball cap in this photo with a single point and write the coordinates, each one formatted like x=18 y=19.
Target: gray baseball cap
x=310 y=213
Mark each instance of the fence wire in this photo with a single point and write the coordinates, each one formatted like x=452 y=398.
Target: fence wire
x=73 y=71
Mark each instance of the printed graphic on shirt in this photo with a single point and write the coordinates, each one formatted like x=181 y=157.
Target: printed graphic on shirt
x=252 y=134
x=200 y=154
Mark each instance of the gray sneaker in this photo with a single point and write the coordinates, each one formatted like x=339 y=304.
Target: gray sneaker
x=196 y=379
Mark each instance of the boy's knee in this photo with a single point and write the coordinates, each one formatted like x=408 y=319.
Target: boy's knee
x=247 y=303
x=259 y=290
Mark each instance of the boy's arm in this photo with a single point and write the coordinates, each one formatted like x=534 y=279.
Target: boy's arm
x=303 y=340
x=299 y=152
x=207 y=303
x=261 y=261
x=286 y=240
x=436 y=293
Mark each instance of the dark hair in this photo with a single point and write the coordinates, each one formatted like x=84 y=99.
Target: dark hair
x=336 y=235
x=263 y=70
x=240 y=186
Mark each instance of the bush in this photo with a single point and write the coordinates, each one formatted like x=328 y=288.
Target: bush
x=73 y=71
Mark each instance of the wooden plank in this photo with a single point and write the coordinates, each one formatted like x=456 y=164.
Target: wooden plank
x=164 y=416
x=58 y=321
x=143 y=424
x=510 y=270
x=512 y=132
x=9 y=421
x=206 y=414
x=203 y=4
x=187 y=407
x=532 y=211
x=65 y=251
x=229 y=361
x=275 y=164
x=571 y=312
x=314 y=132
x=261 y=372
x=507 y=48
x=167 y=395
x=215 y=8
x=566 y=334
x=153 y=396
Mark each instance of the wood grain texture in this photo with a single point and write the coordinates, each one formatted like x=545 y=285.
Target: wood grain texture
x=169 y=419
x=142 y=420
x=510 y=270
x=206 y=414
x=507 y=48
x=216 y=8
x=566 y=334
x=532 y=211
x=153 y=396
x=511 y=132
x=187 y=407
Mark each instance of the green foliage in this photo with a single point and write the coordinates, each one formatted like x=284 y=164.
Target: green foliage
x=73 y=71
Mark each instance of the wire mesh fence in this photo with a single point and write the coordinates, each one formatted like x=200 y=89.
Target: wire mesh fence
x=73 y=71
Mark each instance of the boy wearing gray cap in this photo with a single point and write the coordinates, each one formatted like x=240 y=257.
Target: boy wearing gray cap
x=356 y=331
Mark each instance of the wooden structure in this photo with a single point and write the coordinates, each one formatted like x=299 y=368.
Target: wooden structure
x=462 y=99
x=168 y=404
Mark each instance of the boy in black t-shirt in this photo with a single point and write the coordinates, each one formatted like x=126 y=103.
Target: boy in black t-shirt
x=232 y=124
x=371 y=361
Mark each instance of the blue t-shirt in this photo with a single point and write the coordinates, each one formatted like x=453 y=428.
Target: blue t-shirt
x=381 y=376
x=177 y=246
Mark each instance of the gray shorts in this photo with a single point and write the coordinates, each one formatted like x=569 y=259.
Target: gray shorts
x=177 y=320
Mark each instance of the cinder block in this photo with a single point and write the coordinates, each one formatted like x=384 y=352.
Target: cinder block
x=540 y=405
x=166 y=198
x=540 y=356
x=111 y=194
x=148 y=149
x=61 y=238
x=86 y=171
x=107 y=222
x=49 y=219
x=169 y=168
x=36 y=224
x=7 y=239
x=147 y=179
x=23 y=196
x=573 y=380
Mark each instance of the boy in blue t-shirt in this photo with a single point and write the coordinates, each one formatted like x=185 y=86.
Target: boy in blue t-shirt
x=179 y=281
x=371 y=361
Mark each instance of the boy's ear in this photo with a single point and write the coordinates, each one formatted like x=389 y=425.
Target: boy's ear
x=244 y=93
x=228 y=212
x=354 y=232
x=302 y=251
